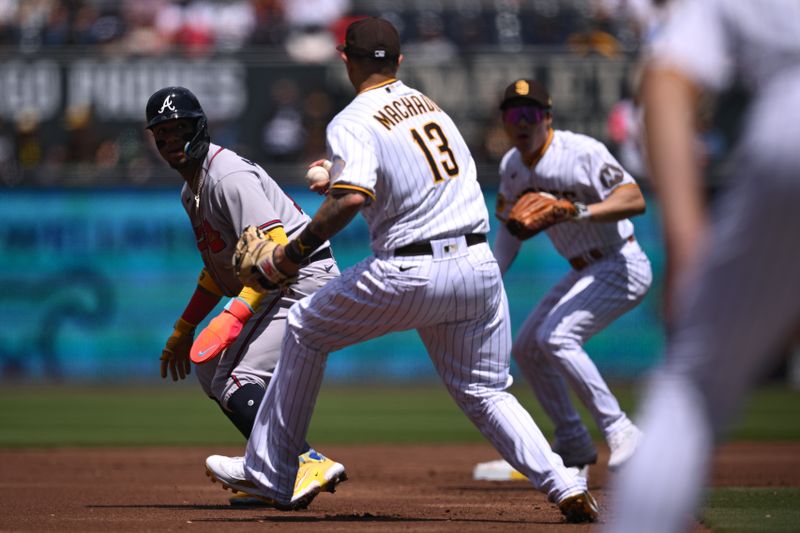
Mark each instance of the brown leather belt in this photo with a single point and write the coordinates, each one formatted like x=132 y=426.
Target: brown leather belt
x=587 y=258
x=425 y=248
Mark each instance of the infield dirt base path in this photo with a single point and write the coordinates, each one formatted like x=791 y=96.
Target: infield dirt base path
x=391 y=488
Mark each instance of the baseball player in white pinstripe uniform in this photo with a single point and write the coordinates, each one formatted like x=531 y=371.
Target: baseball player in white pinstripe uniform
x=222 y=194
x=610 y=273
x=400 y=161
x=734 y=299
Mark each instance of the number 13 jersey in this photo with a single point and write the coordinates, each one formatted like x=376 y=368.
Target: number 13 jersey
x=395 y=145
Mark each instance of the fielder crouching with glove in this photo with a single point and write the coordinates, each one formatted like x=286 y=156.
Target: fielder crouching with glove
x=238 y=351
x=570 y=187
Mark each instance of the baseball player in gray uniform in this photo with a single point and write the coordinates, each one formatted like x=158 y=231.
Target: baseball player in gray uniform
x=610 y=273
x=222 y=194
x=734 y=299
x=400 y=161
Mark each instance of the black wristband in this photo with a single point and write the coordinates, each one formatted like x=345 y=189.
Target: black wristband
x=303 y=246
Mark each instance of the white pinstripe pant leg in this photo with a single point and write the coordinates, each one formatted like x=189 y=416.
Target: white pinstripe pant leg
x=365 y=302
x=549 y=346
x=468 y=339
x=542 y=374
x=471 y=354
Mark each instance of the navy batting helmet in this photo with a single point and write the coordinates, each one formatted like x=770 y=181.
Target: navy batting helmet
x=172 y=103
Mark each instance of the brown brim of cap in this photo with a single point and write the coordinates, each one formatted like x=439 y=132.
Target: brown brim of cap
x=521 y=101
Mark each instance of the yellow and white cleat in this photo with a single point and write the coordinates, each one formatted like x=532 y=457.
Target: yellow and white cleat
x=243 y=499
x=317 y=473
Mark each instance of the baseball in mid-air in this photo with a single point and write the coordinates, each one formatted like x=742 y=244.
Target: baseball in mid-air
x=318 y=175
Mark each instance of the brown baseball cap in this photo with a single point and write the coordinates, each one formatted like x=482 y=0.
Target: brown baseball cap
x=526 y=92
x=371 y=37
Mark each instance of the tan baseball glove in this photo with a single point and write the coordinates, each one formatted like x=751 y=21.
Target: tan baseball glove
x=253 y=261
x=537 y=211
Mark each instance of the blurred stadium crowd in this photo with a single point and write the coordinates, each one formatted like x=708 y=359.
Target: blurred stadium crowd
x=79 y=148
x=204 y=26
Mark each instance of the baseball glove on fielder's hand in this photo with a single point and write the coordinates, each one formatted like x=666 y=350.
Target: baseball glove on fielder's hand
x=537 y=211
x=253 y=261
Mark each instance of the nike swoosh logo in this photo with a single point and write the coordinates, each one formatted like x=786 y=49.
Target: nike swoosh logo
x=202 y=353
x=403 y=269
x=328 y=268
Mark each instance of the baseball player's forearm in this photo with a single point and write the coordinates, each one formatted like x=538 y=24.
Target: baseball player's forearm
x=206 y=296
x=624 y=202
x=252 y=296
x=505 y=248
x=670 y=100
x=175 y=356
x=225 y=328
x=336 y=212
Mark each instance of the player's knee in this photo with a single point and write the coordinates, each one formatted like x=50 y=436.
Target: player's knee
x=555 y=344
x=478 y=400
x=242 y=407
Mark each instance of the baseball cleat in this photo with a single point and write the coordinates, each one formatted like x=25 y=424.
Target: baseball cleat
x=500 y=470
x=579 y=508
x=317 y=473
x=579 y=451
x=242 y=499
x=623 y=444
x=229 y=471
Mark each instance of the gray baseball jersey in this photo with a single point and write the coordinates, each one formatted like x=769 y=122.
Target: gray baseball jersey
x=611 y=275
x=235 y=193
x=399 y=148
x=744 y=304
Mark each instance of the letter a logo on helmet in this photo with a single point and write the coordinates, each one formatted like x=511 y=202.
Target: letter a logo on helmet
x=172 y=103
x=167 y=105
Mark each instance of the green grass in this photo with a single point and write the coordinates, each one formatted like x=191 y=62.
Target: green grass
x=751 y=509
x=179 y=414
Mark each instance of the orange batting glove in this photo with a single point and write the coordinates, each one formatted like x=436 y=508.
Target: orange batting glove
x=221 y=331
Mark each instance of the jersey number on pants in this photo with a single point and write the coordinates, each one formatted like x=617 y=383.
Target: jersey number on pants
x=435 y=134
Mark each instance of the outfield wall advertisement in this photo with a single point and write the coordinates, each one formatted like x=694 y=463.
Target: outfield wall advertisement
x=92 y=280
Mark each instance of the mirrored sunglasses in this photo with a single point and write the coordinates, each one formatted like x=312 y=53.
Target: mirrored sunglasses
x=531 y=114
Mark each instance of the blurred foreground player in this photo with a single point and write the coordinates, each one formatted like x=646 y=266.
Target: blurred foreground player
x=733 y=294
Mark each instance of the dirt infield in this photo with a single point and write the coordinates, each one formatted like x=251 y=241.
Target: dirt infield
x=391 y=488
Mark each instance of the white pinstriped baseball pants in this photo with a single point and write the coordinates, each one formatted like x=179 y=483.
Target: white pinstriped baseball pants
x=456 y=302
x=549 y=345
